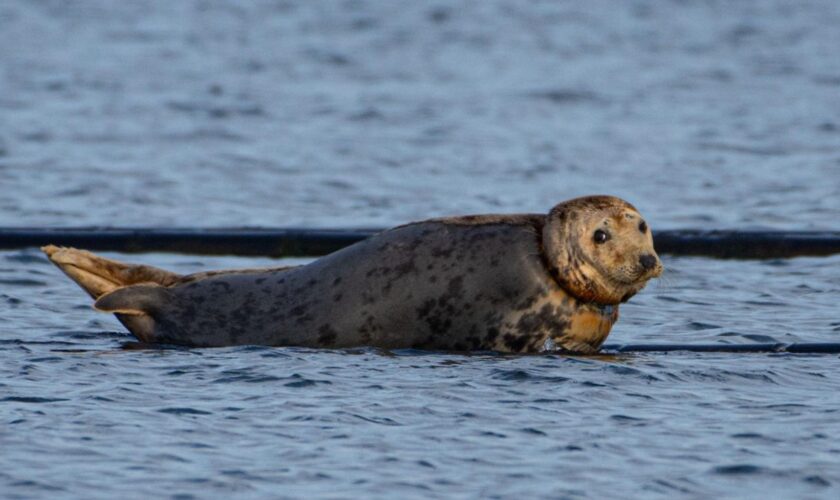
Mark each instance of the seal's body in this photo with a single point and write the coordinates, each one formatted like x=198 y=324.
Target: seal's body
x=468 y=283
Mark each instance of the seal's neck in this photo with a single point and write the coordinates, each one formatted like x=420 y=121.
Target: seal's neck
x=564 y=262
x=587 y=329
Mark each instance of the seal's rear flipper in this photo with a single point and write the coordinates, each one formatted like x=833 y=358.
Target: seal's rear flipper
x=133 y=292
x=139 y=307
x=98 y=275
x=136 y=306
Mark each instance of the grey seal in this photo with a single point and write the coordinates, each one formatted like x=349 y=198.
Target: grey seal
x=516 y=283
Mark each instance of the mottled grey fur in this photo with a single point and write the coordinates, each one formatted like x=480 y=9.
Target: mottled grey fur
x=513 y=283
x=430 y=285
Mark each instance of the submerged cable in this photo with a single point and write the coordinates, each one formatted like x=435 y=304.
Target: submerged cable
x=300 y=242
x=797 y=348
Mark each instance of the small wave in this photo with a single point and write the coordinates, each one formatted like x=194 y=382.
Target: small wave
x=45 y=359
x=625 y=418
x=26 y=257
x=22 y=282
x=817 y=480
x=274 y=352
x=375 y=420
x=303 y=383
x=626 y=371
x=12 y=301
x=35 y=485
x=531 y=430
x=738 y=469
x=590 y=383
x=101 y=399
x=521 y=375
x=567 y=96
x=31 y=399
x=748 y=435
x=252 y=348
x=184 y=411
x=697 y=325
x=551 y=400
x=249 y=378
x=757 y=150
x=728 y=375
x=90 y=335
x=785 y=406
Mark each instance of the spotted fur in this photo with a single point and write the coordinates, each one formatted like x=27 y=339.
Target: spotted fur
x=510 y=283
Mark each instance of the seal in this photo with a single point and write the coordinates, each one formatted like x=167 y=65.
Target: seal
x=518 y=283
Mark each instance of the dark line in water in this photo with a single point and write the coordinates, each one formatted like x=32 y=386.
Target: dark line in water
x=290 y=242
x=803 y=348
x=757 y=348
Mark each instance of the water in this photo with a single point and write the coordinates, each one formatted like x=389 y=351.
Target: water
x=337 y=114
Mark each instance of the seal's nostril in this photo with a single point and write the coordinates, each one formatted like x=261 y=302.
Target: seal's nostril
x=647 y=261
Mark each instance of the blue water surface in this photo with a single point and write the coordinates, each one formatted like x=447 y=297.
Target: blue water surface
x=205 y=113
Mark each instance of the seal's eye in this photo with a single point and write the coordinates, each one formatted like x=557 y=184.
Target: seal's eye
x=643 y=227
x=600 y=236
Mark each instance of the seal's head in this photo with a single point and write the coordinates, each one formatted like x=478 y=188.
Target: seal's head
x=599 y=249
